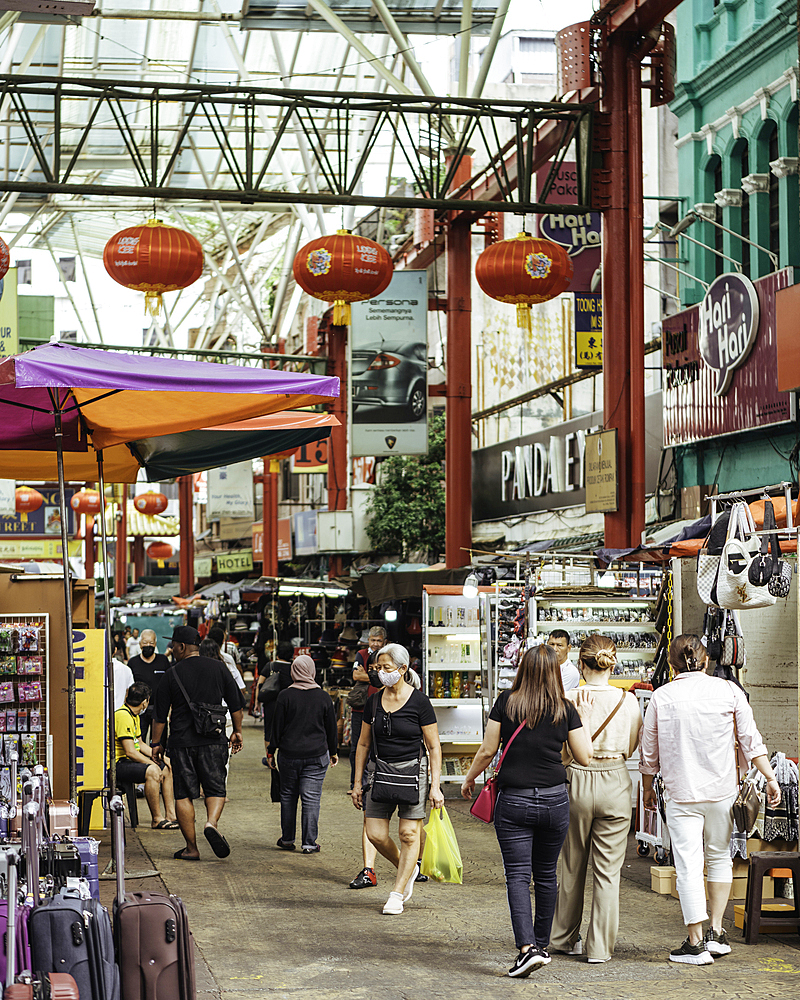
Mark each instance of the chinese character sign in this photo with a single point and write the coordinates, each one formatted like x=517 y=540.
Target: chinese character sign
x=588 y=330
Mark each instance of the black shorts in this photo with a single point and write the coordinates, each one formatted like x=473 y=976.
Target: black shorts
x=132 y=771
x=196 y=766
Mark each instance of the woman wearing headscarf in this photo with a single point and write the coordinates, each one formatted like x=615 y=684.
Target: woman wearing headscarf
x=599 y=809
x=690 y=732
x=304 y=730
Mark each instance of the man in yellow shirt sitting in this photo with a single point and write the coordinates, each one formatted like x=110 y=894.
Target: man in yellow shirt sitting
x=135 y=758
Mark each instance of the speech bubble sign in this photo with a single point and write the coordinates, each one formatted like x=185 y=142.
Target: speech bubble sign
x=729 y=316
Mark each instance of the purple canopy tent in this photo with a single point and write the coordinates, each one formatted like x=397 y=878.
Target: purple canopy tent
x=80 y=399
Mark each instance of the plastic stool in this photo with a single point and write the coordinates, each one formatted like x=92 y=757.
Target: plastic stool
x=760 y=863
x=86 y=800
x=128 y=789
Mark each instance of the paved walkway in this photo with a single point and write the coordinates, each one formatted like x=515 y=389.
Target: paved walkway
x=268 y=923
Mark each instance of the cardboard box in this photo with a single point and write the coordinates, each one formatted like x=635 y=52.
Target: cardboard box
x=788 y=908
x=662 y=878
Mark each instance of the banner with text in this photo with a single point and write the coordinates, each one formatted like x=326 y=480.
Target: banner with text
x=91 y=731
x=230 y=491
x=9 y=322
x=389 y=369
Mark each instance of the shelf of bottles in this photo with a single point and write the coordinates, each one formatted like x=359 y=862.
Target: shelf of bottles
x=454 y=675
x=631 y=624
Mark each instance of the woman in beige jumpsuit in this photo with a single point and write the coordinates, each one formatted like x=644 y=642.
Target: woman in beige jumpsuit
x=599 y=810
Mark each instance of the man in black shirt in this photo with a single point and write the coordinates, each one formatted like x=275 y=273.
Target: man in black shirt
x=148 y=667
x=196 y=760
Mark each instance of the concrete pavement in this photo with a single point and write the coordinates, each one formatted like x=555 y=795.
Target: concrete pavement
x=269 y=923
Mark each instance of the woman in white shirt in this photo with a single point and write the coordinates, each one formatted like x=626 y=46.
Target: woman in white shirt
x=688 y=735
x=599 y=809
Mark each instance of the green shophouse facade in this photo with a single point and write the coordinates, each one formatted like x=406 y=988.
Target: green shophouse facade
x=736 y=103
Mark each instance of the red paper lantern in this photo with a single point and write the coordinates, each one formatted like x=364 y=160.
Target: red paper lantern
x=524 y=270
x=160 y=551
x=150 y=502
x=27 y=500
x=87 y=502
x=5 y=259
x=154 y=258
x=342 y=269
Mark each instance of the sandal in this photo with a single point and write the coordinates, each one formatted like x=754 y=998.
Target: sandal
x=166 y=824
x=180 y=856
x=219 y=845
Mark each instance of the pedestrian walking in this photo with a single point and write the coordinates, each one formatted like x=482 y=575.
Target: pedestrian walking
x=533 y=721
x=198 y=760
x=304 y=731
x=689 y=735
x=399 y=723
x=148 y=666
x=599 y=809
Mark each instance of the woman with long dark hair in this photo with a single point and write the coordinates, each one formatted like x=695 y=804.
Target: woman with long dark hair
x=533 y=721
x=599 y=810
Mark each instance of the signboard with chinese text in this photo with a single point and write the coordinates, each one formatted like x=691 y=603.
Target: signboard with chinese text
x=588 y=330
x=36 y=548
x=284 y=540
x=44 y=521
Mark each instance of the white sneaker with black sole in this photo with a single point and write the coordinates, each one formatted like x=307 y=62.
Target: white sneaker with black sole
x=717 y=942
x=692 y=954
x=528 y=961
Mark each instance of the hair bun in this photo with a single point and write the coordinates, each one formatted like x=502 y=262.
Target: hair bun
x=605 y=659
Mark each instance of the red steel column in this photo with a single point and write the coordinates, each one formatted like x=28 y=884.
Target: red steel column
x=121 y=564
x=617 y=288
x=186 y=514
x=269 y=520
x=458 y=449
x=337 y=442
x=138 y=558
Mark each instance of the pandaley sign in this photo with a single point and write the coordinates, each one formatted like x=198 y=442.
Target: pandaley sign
x=719 y=361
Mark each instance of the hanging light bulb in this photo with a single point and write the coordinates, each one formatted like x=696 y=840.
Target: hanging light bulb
x=470 y=590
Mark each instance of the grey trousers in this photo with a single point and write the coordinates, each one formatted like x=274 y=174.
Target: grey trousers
x=599 y=820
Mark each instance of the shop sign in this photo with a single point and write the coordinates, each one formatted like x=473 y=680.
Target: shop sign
x=36 y=548
x=202 y=567
x=230 y=492
x=9 y=322
x=284 y=540
x=578 y=232
x=235 y=562
x=91 y=752
x=305 y=533
x=547 y=470
x=602 y=491
x=728 y=326
x=311 y=457
x=693 y=409
x=44 y=521
x=588 y=330
x=389 y=369
x=7 y=497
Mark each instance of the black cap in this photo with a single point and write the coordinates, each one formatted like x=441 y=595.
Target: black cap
x=186 y=635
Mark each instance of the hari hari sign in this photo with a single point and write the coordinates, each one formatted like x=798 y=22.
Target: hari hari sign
x=728 y=326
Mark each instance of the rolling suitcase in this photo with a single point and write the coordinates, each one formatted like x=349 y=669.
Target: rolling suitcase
x=155 y=948
x=28 y=986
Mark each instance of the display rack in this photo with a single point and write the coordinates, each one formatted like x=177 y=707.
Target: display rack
x=500 y=667
x=455 y=677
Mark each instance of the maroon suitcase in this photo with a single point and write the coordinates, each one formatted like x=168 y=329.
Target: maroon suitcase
x=155 y=948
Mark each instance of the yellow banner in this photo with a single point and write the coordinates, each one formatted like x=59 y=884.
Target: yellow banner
x=9 y=335
x=36 y=548
x=88 y=648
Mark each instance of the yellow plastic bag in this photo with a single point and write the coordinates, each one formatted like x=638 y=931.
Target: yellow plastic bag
x=441 y=858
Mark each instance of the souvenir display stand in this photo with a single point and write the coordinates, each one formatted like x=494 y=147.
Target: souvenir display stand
x=455 y=675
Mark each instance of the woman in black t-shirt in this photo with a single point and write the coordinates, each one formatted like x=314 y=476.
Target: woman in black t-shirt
x=404 y=719
x=531 y=817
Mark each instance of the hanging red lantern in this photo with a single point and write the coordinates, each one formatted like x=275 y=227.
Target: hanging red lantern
x=154 y=258
x=5 y=259
x=342 y=269
x=150 y=502
x=524 y=270
x=87 y=502
x=160 y=551
x=26 y=501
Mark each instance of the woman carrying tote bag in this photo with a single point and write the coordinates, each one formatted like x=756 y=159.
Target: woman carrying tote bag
x=532 y=811
x=599 y=810
x=399 y=724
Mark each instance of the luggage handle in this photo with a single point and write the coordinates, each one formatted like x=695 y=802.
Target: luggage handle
x=118 y=839
x=12 y=802
x=31 y=848
x=12 y=857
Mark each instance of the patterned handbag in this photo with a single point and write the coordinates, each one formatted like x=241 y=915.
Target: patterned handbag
x=708 y=559
x=733 y=653
x=780 y=583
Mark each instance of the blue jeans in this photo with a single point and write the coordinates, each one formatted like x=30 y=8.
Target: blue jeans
x=356 y=718
x=301 y=778
x=531 y=825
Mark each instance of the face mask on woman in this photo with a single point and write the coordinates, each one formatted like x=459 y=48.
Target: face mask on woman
x=389 y=678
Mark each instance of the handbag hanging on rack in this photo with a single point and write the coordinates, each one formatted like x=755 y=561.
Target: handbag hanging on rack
x=734 y=589
x=708 y=559
x=764 y=564
x=733 y=653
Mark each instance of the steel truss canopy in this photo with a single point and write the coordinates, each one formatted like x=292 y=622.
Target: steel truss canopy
x=57 y=126
x=416 y=17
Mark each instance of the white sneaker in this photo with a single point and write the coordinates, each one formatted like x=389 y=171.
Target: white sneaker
x=394 y=904
x=598 y=961
x=409 y=889
x=577 y=948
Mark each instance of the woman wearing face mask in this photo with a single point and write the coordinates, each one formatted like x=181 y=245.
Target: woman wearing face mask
x=403 y=718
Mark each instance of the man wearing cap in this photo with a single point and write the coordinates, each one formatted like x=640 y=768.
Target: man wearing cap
x=197 y=761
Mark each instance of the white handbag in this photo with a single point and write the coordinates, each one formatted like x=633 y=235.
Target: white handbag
x=734 y=589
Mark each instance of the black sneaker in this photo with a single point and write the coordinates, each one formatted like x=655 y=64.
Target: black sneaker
x=717 y=942
x=527 y=962
x=365 y=878
x=286 y=847
x=312 y=850
x=421 y=878
x=692 y=954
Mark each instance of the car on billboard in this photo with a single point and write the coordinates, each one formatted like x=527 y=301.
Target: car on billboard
x=390 y=381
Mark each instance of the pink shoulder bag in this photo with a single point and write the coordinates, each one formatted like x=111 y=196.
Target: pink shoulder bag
x=483 y=807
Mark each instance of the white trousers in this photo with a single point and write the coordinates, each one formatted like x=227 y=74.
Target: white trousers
x=694 y=826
